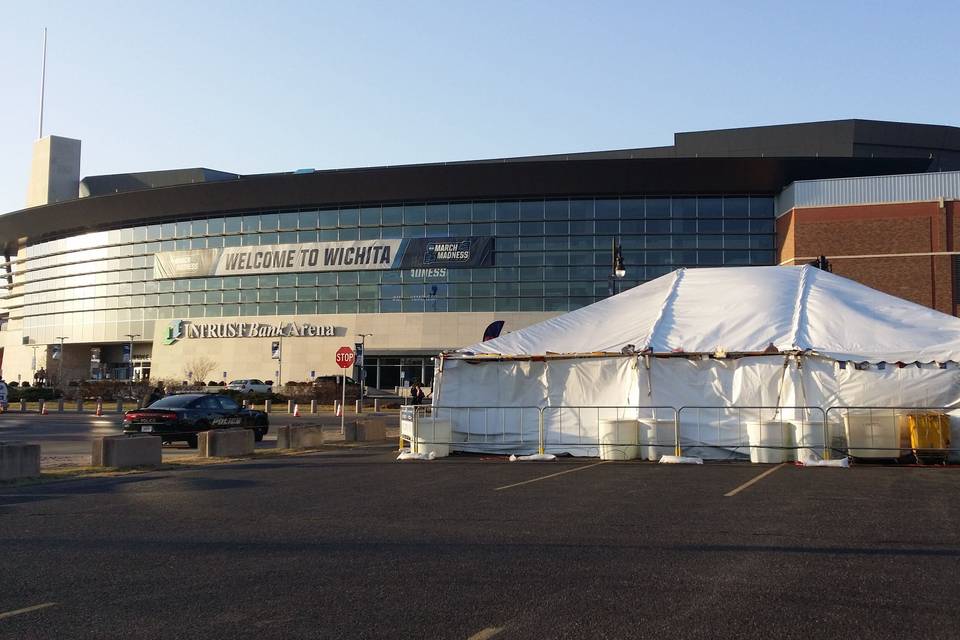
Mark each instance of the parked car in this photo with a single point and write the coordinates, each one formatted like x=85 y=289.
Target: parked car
x=181 y=417
x=250 y=386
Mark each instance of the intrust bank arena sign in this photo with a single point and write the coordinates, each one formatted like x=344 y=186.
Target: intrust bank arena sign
x=180 y=329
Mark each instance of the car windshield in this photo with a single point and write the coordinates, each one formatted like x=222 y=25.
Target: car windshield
x=173 y=402
x=239 y=382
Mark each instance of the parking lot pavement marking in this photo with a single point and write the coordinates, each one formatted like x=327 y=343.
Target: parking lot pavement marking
x=36 y=607
x=552 y=475
x=484 y=634
x=752 y=481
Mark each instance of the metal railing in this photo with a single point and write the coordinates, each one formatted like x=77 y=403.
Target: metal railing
x=764 y=433
x=477 y=428
x=767 y=433
x=609 y=431
x=890 y=432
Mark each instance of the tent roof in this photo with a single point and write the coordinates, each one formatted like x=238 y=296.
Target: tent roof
x=745 y=310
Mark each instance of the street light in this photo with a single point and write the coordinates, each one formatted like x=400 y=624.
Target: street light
x=617 y=269
x=60 y=362
x=130 y=337
x=363 y=354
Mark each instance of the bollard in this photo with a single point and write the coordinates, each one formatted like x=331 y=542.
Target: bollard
x=356 y=407
x=43 y=408
x=23 y=406
x=289 y=406
x=360 y=406
x=119 y=406
x=60 y=405
x=80 y=406
x=313 y=406
x=266 y=406
x=376 y=405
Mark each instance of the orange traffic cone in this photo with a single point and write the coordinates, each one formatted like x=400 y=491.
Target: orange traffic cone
x=296 y=411
x=99 y=408
x=43 y=409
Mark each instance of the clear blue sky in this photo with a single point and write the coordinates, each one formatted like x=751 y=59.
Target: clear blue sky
x=257 y=87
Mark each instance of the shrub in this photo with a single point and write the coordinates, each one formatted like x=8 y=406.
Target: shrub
x=33 y=394
x=24 y=385
x=13 y=385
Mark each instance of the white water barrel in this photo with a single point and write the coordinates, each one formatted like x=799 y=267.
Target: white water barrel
x=766 y=439
x=872 y=435
x=433 y=435
x=808 y=436
x=618 y=439
x=657 y=438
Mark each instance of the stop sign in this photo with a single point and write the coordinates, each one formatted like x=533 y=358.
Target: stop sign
x=345 y=357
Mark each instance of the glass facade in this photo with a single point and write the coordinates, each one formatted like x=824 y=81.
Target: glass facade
x=550 y=255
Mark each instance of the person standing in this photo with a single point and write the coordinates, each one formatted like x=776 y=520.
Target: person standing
x=416 y=393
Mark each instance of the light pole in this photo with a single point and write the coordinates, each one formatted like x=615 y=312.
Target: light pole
x=130 y=337
x=60 y=362
x=617 y=270
x=363 y=354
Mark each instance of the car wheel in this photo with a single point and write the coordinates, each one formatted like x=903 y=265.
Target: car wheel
x=258 y=435
x=192 y=441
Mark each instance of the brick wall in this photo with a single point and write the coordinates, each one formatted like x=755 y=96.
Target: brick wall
x=890 y=230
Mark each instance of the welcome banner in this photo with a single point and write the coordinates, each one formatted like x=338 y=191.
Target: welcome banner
x=354 y=255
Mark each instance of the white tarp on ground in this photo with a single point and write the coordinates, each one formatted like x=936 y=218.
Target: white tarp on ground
x=832 y=321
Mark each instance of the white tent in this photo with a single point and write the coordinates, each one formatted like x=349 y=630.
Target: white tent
x=727 y=337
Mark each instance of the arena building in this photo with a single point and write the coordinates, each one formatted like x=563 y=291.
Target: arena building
x=205 y=274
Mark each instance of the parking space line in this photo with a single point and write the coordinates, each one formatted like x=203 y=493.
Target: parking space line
x=552 y=475
x=36 y=607
x=485 y=634
x=752 y=481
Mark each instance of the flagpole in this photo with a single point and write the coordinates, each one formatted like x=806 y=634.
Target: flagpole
x=43 y=79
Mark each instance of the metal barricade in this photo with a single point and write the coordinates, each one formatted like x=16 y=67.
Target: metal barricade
x=767 y=433
x=478 y=429
x=891 y=433
x=612 y=432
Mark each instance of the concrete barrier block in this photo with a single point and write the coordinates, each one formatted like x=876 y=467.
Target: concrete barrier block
x=226 y=443
x=127 y=451
x=306 y=437
x=366 y=430
x=19 y=460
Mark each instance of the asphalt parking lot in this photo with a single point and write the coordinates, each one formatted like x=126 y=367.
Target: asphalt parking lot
x=353 y=544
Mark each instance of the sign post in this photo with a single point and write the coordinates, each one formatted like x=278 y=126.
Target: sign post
x=345 y=358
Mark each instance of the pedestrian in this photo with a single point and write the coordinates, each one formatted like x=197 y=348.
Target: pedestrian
x=416 y=393
x=155 y=395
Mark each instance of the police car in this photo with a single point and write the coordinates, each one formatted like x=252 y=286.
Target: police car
x=182 y=417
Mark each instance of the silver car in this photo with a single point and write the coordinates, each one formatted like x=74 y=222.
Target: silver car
x=250 y=386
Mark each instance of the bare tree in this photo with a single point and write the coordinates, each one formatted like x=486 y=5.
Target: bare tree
x=198 y=368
